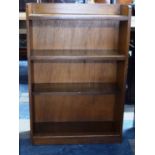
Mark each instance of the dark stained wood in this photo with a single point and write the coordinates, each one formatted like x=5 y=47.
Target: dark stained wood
x=89 y=9
x=74 y=72
x=104 y=138
x=75 y=34
x=74 y=128
x=78 y=56
x=123 y=46
x=89 y=55
x=29 y=47
x=68 y=108
x=75 y=132
x=74 y=88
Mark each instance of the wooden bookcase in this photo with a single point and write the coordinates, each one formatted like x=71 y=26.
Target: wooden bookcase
x=78 y=56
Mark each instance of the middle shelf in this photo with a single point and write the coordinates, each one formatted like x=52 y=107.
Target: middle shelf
x=74 y=88
x=91 y=55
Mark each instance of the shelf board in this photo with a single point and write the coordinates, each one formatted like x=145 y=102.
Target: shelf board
x=77 y=16
x=22 y=16
x=62 y=55
x=74 y=128
x=74 y=88
x=56 y=132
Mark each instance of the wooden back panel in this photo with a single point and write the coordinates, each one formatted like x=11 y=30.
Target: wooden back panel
x=74 y=34
x=74 y=108
x=74 y=72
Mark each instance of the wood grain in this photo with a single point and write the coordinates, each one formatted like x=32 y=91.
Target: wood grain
x=88 y=9
x=83 y=139
x=29 y=47
x=75 y=34
x=73 y=108
x=123 y=46
x=75 y=128
x=77 y=57
x=74 y=72
x=75 y=17
x=74 y=88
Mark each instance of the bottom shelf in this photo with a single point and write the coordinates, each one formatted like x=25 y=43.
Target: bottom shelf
x=75 y=132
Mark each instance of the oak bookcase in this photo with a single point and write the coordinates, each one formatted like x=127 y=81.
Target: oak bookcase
x=77 y=56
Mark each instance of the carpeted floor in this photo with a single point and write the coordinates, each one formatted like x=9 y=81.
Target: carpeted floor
x=26 y=148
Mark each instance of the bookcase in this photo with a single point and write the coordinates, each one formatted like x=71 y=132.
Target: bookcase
x=77 y=58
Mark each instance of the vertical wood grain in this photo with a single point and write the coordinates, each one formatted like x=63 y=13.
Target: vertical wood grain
x=29 y=47
x=123 y=46
x=74 y=108
x=74 y=72
x=75 y=34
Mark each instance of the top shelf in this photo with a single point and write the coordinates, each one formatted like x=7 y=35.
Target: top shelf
x=76 y=16
x=22 y=17
x=57 y=11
